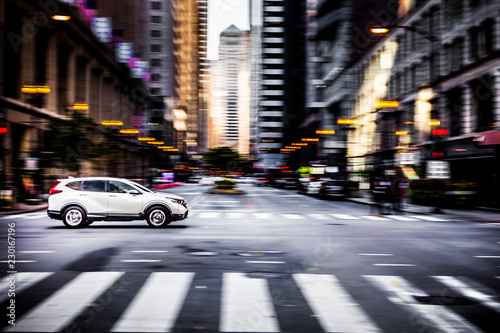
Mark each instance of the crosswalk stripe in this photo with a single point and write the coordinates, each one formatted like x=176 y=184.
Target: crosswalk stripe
x=334 y=307
x=344 y=217
x=428 y=218
x=402 y=292
x=234 y=215
x=23 y=280
x=319 y=216
x=209 y=215
x=472 y=290
x=157 y=305
x=246 y=305
x=262 y=216
x=293 y=216
x=400 y=218
x=66 y=304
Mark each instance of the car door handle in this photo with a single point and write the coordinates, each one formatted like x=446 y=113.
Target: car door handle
x=112 y=195
x=83 y=195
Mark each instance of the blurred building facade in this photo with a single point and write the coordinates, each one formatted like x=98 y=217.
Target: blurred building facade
x=230 y=112
x=75 y=66
x=282 y=100
x=188 y=122
x=439 y=62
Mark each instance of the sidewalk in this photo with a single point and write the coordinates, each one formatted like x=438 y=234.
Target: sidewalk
x=20 y=208
x=477 y=215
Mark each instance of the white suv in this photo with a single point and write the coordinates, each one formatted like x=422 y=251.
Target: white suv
x=81 y=201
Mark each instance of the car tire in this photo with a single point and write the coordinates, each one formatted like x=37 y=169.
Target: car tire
x=158 y=217
x=74 y=217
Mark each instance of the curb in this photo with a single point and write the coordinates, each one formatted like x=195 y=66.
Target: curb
x=22 y=211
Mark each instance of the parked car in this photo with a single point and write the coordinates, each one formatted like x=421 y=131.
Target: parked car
x=333 y=189
x=80 y=201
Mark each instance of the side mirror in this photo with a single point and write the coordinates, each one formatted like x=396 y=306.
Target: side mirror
x=134 y=192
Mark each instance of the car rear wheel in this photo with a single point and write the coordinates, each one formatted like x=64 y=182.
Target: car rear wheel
x=158 y=217
x=74 y=217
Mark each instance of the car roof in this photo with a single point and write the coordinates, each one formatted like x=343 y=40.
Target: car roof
x=93 y=178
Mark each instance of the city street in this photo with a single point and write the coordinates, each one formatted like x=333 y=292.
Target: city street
x=269 y=260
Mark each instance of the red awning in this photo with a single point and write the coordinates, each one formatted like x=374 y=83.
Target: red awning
x=488 y=139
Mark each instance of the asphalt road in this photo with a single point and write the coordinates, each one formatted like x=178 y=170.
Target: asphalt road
x=269 y=260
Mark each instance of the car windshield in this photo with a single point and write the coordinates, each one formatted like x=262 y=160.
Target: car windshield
x=142 y=187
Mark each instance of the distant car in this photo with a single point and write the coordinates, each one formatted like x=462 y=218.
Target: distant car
x=332 y=189
x=80 y=201
x=262 y=181
x=290 y=183
x=313 y=187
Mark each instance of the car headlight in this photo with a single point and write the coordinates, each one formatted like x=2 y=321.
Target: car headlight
x=178 y=201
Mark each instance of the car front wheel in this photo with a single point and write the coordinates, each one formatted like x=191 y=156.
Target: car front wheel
x=74 y=217
x=158 y=217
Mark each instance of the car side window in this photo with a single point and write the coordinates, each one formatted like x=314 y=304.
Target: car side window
x=119 y=187
x=94 y=186
x=74 y=185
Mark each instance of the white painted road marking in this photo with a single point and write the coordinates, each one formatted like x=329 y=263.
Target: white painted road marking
x=157 y=305
x=344 y=217
x=402 y=292
x=472 y=290
x=333 y=306
x=23 y=280
x=56 y=312
x=246 y=305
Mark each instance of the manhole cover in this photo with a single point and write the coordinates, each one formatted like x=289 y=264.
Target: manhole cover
x=448 y=300
x=335 y=224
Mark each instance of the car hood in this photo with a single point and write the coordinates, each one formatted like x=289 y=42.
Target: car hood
x=168 y=195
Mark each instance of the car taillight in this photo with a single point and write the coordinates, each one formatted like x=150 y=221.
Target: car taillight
x=53 y=191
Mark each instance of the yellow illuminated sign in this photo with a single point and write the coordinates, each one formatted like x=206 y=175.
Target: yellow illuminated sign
x=146 y=139
x=325 y=132
x=387 y=104
x=112 y=123
x=35 y=89
x=80 y=106
x=347 y=121
x=129 y=131
x=156 y=142
x=310 y=139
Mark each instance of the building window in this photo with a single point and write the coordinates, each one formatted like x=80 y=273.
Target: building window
x=155 y=48
x=155 y=19
x=481 y=40
x=155 y=5
x=155 y=77
x=482 y=101
x=155 y=33
x=155 y=62
x=454 y=106
x=455 y=55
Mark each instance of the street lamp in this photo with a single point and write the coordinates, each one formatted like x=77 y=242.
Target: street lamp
x=383 y=29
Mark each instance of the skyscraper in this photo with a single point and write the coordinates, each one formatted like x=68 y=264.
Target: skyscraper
x=231 y=88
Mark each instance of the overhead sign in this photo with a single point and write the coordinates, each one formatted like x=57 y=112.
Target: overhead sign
x=101 y=27
x=438 y=170
x=123 y=52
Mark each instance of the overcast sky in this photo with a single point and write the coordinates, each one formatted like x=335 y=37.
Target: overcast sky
x=221 y=14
